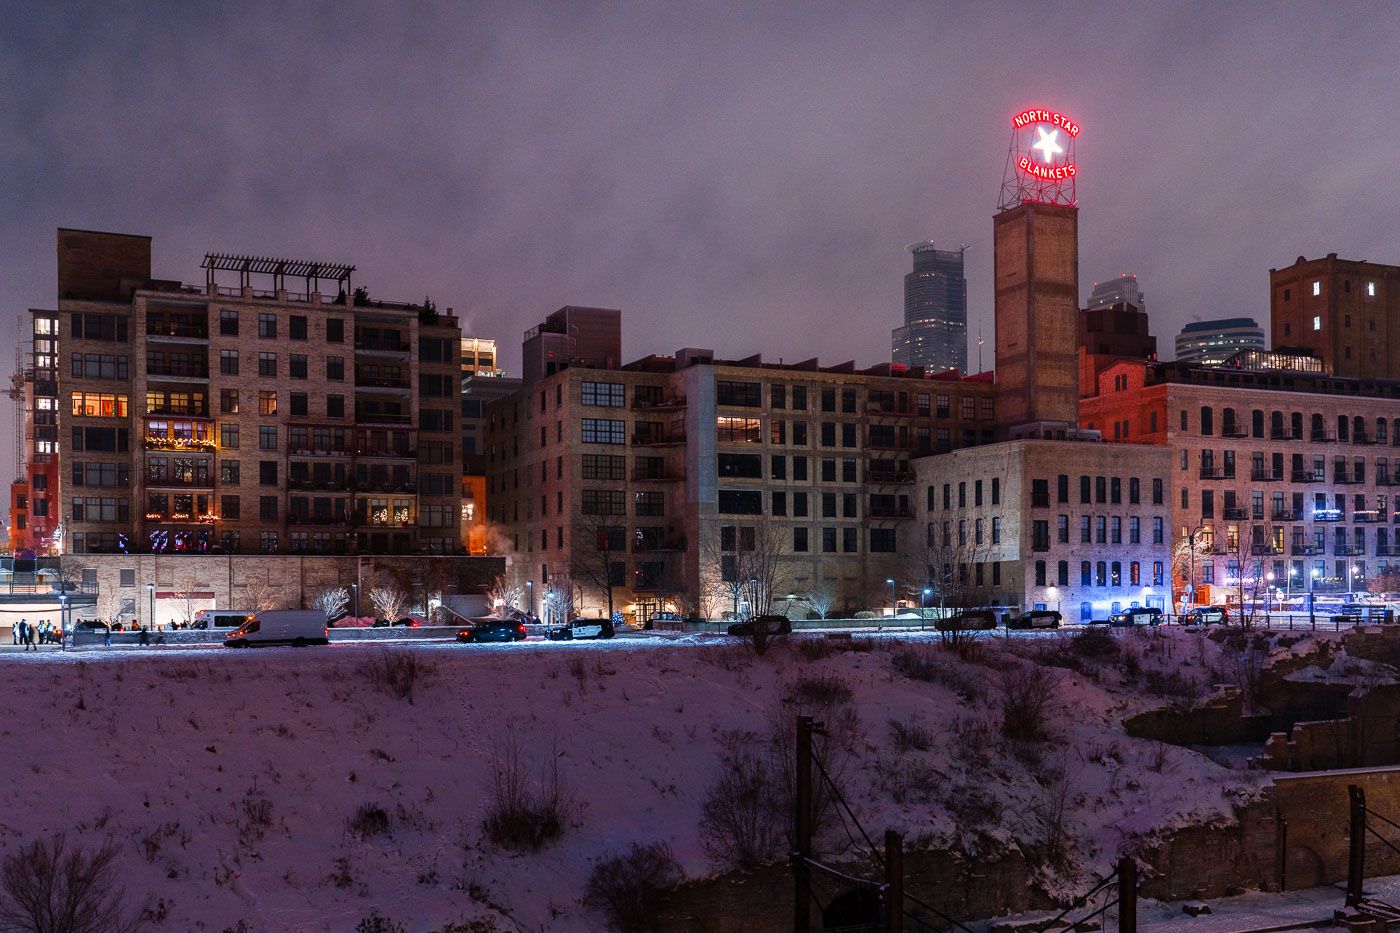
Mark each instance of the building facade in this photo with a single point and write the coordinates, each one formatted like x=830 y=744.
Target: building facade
x=1210 y=343
x=1077 y=526
x=1124 y=290
x=248 y=420
x=934 y=333
x=1346 y=312
x=1284 y=473
x=707 y=485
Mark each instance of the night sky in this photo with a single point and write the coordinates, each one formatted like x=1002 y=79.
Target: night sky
x=740 y=176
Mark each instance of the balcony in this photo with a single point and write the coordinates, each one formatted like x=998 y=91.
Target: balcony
x=674 y=403
x=889 y=411
x=1362 y=437
x=181 y=518
x=180 y=444
x=1233 y=430
x=1385 y=479
x=1264 y=550
x=1340 y=478
x=1350 y=550
x=657 y=476
x=1388 y=550
x=1040 y=545
x=1327 y=515
x=386 y=486
x=409 y=453
x=319 y=452
x=317 y=520
x=1322 y=437
x=1280 y=436
x=178 y=411
x=667 y=543
x=176 y=332
x=178 y=372
x=171 y=482
x=1286 y=515
x=1308 y=476
x=1212 y=472
x=382 y=347
x=1236 y=515
x=663 y=439
x=363 y=418
x=1265 y=476
x=1367 y=516
x=317 y=485
x=381 y=382
x=894 y=511
x=1306 y=550
x=889 y=477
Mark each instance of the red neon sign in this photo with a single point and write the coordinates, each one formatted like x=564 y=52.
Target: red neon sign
x=1047 y=172
x=1026 y=117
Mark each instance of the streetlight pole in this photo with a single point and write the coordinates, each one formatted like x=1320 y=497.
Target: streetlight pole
x=355 y=592
x=530 y=597
x=753 y=596
x=1268 y=592
x=894 y=599
x=1312 y=614
x=63 y=622
x=923 y=607
x=151 y=605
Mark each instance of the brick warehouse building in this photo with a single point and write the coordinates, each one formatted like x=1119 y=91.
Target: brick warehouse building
x=672 y=471
x=1276 y=467
x=1346 y=312
x=242 y=420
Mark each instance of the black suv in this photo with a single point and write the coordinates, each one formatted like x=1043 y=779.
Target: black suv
x=1036 y=618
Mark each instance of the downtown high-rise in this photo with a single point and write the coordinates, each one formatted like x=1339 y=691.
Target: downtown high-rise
x=934 y=335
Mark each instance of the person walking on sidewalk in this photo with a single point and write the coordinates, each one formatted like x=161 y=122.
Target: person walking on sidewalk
x=33 y=642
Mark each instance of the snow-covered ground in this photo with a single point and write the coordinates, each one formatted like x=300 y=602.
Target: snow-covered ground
x=230 y=777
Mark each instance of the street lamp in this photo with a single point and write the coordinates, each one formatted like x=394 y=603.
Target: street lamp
x=1312 y=614
x=529 y=597
x=151 y=604
x=63 y=621
x=923 y=605
x=894 y=600
x=1191 y=555
x=355 y=592
x=1268 y=591
x=753 y=596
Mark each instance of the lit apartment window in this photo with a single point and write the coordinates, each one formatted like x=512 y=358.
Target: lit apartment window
x=1317 y=322
x=1371 y=289
x=1317 y=288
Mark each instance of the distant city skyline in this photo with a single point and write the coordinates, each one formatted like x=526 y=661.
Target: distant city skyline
x=934 y=332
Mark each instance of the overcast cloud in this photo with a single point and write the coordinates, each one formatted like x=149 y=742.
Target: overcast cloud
x=740 y=176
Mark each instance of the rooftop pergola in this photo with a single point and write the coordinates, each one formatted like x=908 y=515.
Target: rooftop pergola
x=279 y=269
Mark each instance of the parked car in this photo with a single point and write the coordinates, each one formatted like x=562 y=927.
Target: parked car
x=1036 y=618
x=295 y=627
x=583 y=628
x=493 y=628
x=1208 y=615
x=972 y=620
x=1137 y=615
x=406 y=621
x=775 y=625
x=219 y=618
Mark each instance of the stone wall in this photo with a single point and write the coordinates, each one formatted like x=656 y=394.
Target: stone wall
x=1221 y=720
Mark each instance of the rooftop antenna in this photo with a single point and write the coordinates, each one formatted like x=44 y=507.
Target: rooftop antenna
x=979 y=346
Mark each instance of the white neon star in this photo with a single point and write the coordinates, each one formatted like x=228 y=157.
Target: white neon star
x=1047 y=144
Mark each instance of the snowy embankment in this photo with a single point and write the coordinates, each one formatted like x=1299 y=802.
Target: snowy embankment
x=232 y=778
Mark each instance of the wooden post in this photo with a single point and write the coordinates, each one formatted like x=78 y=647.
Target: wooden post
x=894 y=882
x=1127 y=895
x=1356 y=859
x=802 y=830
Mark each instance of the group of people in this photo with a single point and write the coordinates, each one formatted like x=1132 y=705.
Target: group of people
x=34 y=634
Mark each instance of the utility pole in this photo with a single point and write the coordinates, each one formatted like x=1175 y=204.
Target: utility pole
x=1127 y=895
x=894 y=882
x=1356 y=861
x=802 y=830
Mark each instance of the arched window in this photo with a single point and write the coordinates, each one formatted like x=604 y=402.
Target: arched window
x=1062 y=573
x=1257 y=419
x=1358 y=429
x=1342 y=423
x=1117 y=573
x=1317 y=429
x=1276 y=425
x=1086 y=611
x=1227 y=422
x=1101 y=574
x=1297 y=425
x=1395 y=432
x=1207 y=420
x=1380 y=431
x=1086 y=577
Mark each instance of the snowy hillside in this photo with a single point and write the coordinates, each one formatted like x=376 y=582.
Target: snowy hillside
x=234 y=779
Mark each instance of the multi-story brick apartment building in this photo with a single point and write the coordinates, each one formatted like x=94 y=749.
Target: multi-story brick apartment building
x=248 y=420
x=1073 y=525
x=1276 y=467
x=1346 y=312
x=673 y=471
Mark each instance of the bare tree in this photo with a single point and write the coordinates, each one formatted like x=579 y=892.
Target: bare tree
x=258 y=595
x=48 y=887
x=599 y=544
x=821 y=599
x=505 y=592
x=1385 y=581
x=187 y=600
x=1246 y=546
x=559 y=599
x=945 y=563
x=388 y=602
x=69 y=575
x=1189 y=553
x=333 y=601
x=109 y=608
x=746 y=562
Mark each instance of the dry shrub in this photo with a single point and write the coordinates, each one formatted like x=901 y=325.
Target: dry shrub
x=1095 y=644
x=525 y=813
x=369 y=820
x=396 y=672
x=819 y=689
x=629 y=887
x=48 y=887
x=821 y=647
x=1178 y=688
x=938 y=666
x=742 y=814
x=910 y=735
x=1027 y=692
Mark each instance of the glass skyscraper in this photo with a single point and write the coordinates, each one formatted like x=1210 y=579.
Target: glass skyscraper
x=934 y=334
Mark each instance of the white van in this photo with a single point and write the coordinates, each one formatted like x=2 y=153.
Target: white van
x=281 y=627
x=220 y=618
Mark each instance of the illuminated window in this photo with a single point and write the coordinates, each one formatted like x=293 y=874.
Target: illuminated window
x=1317 y=288
x=1371 y=289
x=1317 y=322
